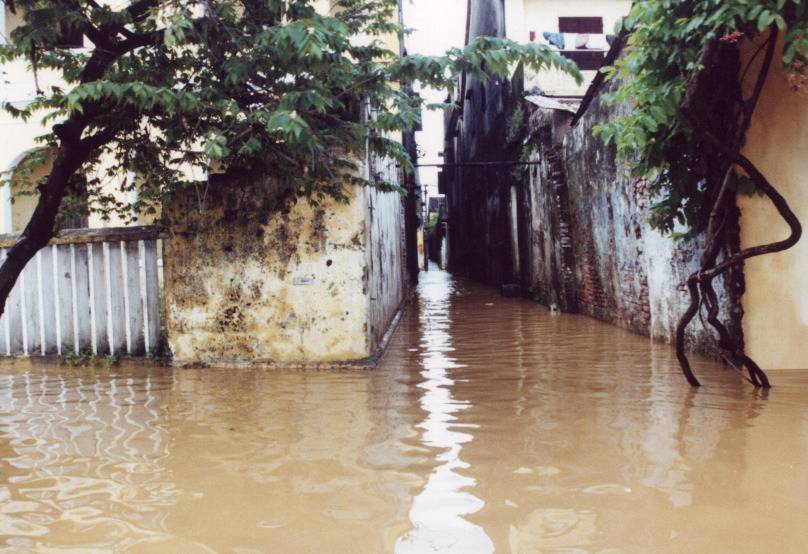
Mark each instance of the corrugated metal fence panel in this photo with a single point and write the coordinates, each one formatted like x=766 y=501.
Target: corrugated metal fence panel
x=115 y=298
x=46 y=301
x=98 y=299
x=12 y=319
x=96 y=291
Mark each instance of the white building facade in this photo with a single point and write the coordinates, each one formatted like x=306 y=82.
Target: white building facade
x=580 y=29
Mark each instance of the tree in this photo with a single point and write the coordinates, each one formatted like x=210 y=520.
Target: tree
x=269 y=86
x=682 y=73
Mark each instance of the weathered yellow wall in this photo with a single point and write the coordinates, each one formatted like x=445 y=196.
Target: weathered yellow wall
x=281 y=287
x=18 y=137
x=22 y=206
x=776 y=300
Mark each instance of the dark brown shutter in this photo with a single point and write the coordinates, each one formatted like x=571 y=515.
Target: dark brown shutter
x=586 y=59
x=590 y=25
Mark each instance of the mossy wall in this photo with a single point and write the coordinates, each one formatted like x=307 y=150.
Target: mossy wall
x=592 y=248
x=254 y=278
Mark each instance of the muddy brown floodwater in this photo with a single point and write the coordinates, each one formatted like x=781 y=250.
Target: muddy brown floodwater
x=491 y=425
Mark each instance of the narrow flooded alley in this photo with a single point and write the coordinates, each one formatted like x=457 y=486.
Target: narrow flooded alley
x=491 y=425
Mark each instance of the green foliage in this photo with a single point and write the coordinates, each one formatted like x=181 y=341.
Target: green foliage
x=517 y=125
x=86 y=358
x=83 y=358
x=432 y=221
x=665 y=42
x=270 y=87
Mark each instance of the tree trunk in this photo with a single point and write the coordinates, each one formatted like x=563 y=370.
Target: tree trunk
x=41 y=228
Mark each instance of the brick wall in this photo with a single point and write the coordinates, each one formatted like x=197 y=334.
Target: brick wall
x=591 y=248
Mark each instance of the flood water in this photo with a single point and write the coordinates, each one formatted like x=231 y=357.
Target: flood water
x=491 y=425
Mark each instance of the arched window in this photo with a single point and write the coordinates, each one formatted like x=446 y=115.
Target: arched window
x=20 y=195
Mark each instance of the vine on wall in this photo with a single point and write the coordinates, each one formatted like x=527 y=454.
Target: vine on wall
x=681 y=74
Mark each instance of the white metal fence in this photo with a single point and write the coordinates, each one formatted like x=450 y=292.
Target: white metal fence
x=89 y=290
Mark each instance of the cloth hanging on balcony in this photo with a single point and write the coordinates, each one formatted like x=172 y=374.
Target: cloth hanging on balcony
x=556 y=39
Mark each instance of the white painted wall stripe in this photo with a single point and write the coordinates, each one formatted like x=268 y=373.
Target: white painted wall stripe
x=91 y=263
x=57 y=308
x=23 y=313
x=74 y=297
x=40 y=297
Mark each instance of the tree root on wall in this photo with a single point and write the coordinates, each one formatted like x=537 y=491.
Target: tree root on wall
x=700 y=283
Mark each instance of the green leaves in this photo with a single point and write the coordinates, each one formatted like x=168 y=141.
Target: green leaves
x=270 y=88
x=483 y=55
x=288 y=124
x=216 y=146
x=175 y=31
x=652 y=135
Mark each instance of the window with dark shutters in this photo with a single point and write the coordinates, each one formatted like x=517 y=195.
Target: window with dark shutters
x=586 y=60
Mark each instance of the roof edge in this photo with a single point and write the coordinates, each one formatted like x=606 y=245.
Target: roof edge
x=597 y=83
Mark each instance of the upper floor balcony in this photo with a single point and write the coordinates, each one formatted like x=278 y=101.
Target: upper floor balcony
x=581 y=30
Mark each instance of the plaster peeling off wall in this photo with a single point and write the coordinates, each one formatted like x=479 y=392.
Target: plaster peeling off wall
x=592 y=250
x=254 y=279
x=550 y=272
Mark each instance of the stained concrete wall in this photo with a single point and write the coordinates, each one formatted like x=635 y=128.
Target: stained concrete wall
x=776 y=301
x=591 y=249
x=256 y=279
x=481 y=232
x=385 y=252
x=549 y=261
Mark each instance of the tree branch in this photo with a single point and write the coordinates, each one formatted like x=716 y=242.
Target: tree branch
x=72 y=152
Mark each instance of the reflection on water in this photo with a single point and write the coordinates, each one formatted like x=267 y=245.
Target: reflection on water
x=75 y=450
x=490 y=426
x=438 y=510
